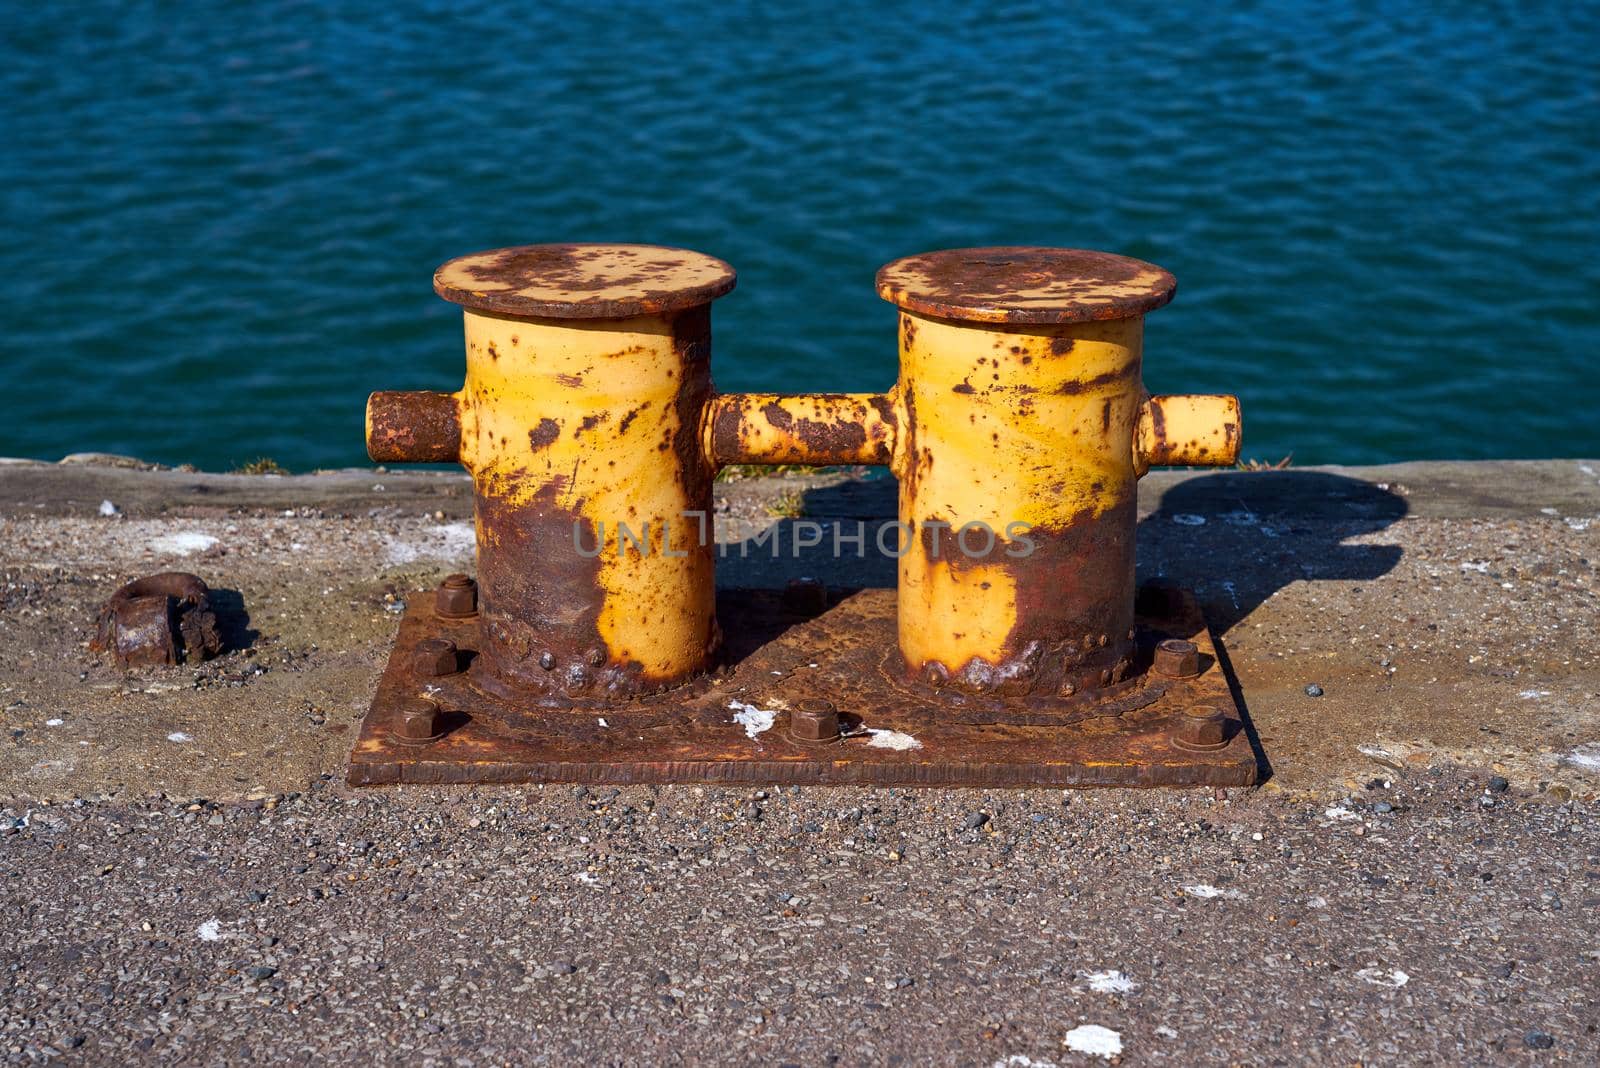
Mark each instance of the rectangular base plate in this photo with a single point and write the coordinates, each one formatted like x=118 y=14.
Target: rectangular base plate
x=898 y=733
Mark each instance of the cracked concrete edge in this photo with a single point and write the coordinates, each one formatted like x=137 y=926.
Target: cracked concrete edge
x=1448 y=489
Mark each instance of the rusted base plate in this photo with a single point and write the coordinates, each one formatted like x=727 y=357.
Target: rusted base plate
x=898 y=733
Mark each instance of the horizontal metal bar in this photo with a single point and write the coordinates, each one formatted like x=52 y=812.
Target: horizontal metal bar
x=804 y=428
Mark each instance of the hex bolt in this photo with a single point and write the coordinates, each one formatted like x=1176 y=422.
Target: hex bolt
x=1201 y=727
x=456 y=598
x=814 y=720
x=436 y=656
x=1177 y=658
x=805 y=596
x=417 y=721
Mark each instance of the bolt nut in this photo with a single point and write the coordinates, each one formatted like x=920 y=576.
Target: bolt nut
x=417 y=721
x=814 y=720
x=435 y=656
x=1177 y=659
x=805 y=596
x=1201 y=727
x=456 y=598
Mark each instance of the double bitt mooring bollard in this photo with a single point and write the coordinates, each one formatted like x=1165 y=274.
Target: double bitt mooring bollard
x=1018 y=429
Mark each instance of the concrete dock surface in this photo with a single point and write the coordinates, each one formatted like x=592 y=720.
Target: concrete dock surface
x=186 y=879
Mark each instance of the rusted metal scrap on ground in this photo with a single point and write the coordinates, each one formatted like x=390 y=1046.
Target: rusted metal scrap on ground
x=594 y=645
x=164 y=619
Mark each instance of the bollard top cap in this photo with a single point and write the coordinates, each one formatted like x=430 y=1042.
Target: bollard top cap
x=1025 y=284
x=583 y=281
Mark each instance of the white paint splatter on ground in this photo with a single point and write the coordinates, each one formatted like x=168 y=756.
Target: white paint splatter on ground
x=179 y=736
x=1339 y=812
x=109 y=510
x=183 y=543
x=1480 y=568
x=1206 y=890
x=754 y=720
x=1095 y=1040
x=1384 y=977
x=602 y=721
x=1109 y=982
x=1529 y=695
x=54 y=722
x=448 y=541
x=1189 y=520
x=887 y=739
x=210 y=931
x=1586 y=756
x=1022 y=1060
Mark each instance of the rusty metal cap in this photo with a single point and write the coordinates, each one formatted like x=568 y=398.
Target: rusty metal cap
x=583 y=281
x=1021 y=284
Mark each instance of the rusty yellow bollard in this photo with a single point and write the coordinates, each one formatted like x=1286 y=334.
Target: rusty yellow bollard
x=1025 y=428
x=588 y=368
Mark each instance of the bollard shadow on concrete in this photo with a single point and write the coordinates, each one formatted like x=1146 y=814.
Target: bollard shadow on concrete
x=1237 y=537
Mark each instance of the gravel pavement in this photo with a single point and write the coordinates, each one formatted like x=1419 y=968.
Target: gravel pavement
x=1426 y=919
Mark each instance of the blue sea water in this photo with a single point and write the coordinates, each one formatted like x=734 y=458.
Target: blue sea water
x=221 y=220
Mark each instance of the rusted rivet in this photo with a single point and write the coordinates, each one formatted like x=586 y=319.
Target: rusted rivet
x=417 y=721
x=595 y=657
x=805 y=596
x=436 y=656
x=814 y=720
x=936 y=674
x=456 y=598
x=1068 y=689
x=1177 y=658
x=1201 y=727
x=547 y=660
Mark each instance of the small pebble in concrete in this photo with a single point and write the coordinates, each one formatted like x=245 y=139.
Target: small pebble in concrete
x=262 y=971
x=1498 y=785
x=1538 y=1040
x=974 y=820
x=1313 y=690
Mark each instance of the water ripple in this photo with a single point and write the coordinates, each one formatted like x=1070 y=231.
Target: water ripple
x=1384 y=218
